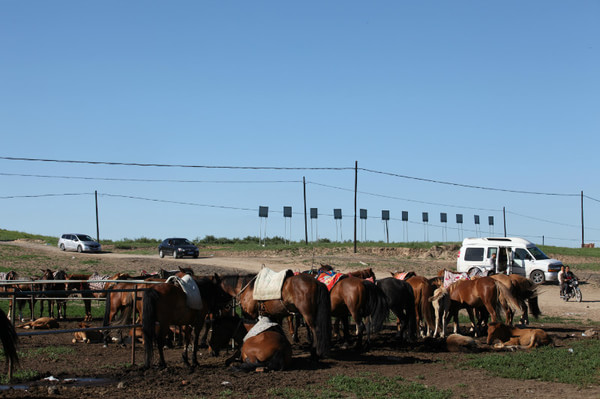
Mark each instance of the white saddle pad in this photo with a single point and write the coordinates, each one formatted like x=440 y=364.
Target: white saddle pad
x=263 y=324
x=268 y=284
x=190 y=288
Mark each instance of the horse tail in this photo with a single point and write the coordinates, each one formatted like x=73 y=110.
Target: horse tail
x=148 y=322
x=410 y=312
x=426 y=306
x=505 y=297
x=377 y=305
x=9 y=338
x=531 y=293
x=534 y=306
x=323 y=320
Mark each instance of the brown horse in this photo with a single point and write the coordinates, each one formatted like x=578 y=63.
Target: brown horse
x=54 y=292
x=17 y=290
x=525 y=291
x=166 y=304
x=525 y=338
x=353 y=296
x=93 y=286
x=423 y=290
x=9 y=339
x=299 y=294
x=269 y=349
x=482 y=293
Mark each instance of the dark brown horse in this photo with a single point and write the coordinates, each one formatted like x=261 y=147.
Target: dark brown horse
x=268 y=349
x=525 y=291
x=299 y=294
x=166 y=304
x=17 y=287
x=9 y=339
x=54 y=293
x=482 y=293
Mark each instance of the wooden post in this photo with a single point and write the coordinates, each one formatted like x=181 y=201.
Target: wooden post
x=133 y=338
x=305 y=222
x=355 y=199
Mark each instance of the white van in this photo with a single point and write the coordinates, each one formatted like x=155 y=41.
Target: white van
x=513 y=256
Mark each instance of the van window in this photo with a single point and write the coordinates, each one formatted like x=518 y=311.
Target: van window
x=522 y=254
x=491 y=251
x=474 y=254
x=537 y=253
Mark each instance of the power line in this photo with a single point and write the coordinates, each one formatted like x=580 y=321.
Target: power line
x=406 y=199
x=467 y=185
x=151 y=180
x=44 y=195
x=158 y=165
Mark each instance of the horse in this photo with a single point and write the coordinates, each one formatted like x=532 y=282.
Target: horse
x=479 y=293
x=268 y=349
x=53 y=291
x=90 y=283
x=119 y=305
x=9 y=339
x=422 y=290
x=299 y=294
x=440 y=300
x=166 y=304
x=353 y=296
x=525 y=291
x=524 y=338
x=401 y=301
x=16 y=289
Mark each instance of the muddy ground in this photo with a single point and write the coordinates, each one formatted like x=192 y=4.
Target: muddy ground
x=90 y=370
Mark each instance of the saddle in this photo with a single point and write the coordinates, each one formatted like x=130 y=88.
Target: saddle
x=190 y=288
x=450 y=278
x=268 y=284
x=330 y=278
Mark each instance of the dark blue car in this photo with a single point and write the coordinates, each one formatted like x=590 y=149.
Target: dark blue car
x=177 y=248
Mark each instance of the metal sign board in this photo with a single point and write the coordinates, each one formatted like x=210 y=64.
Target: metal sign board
x=263 y=211
x=385 y=215
x=425 y=217
x=287 y=211
x=459 y=218
x=363 y=213
x=337 y=213
x=313 y=213
x=405 y=216
x=443 y=217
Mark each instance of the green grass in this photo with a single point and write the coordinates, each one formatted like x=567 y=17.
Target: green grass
x=50 y=352
x=580 y=367
x=20 y=375
x=75 y=309
x=366 y=385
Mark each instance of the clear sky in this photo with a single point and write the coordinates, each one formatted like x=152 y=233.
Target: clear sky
x=497 y=94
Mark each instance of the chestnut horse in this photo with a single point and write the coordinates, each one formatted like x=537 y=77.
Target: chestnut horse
x=91 y=283
x=166 y=304
x=482 y=293
x=269 y=349
x=299 y=294
x=423 y=290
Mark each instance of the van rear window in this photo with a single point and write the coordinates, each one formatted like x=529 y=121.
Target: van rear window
x=474 y=254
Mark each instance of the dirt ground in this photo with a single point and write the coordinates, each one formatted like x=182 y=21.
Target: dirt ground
x=90 y=370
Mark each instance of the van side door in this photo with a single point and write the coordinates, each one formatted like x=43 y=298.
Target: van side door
x=520 y=260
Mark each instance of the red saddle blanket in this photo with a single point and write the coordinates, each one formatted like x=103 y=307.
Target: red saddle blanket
x=329 y=278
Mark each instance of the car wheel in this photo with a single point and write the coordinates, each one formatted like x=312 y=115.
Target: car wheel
x=161 y=253
x=62 y=247
x=174 y=254
x=79 y=249
x=537 y=276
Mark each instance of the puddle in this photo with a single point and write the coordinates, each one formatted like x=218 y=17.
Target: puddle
x=15 y=387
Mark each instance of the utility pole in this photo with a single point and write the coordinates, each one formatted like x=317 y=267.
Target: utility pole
x=305 y=226
x=97 y=225
x=355 y=199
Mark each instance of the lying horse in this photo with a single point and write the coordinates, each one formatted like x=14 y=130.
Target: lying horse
x=524 y=338
x=269 y=349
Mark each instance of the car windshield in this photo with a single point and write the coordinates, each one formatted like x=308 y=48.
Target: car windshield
x=83 y=237
x=181 y=241
x=537 y=253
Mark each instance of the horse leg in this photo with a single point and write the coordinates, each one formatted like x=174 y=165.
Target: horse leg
x=188 y=338
x=474 y=326
x=160 y=344
x=525 y=315
x=197 y=331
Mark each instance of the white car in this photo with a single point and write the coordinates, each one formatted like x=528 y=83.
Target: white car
x=79 y=243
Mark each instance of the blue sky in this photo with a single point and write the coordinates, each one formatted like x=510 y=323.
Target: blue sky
x=502 y=95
